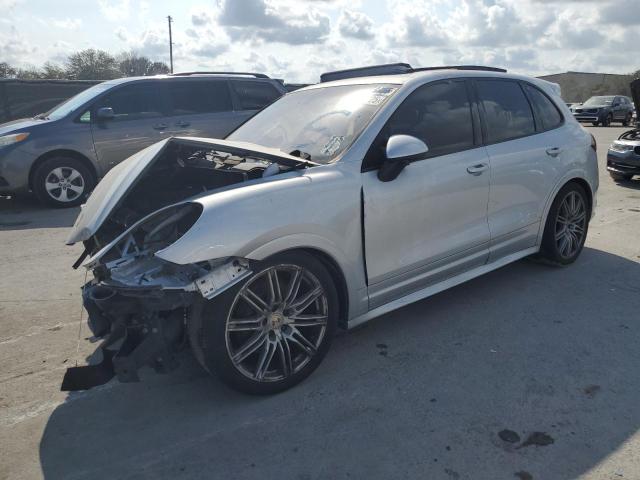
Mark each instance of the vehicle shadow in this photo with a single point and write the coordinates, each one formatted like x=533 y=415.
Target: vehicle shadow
x=421 y=392
x=25 y=212
x=634 y=183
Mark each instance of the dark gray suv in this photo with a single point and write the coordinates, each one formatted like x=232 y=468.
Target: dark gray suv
x=604 y=109
x=61 y=154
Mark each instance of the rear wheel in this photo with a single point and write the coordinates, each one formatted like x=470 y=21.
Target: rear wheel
x=566 y=226
x=620 y=177
x=271 y=331
x=62 y=182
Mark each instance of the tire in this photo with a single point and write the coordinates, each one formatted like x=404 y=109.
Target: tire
x=553 y=249
x=627 y=120
x=74 y=182
x=620 y=177
x=607 y=121
x=221 y=346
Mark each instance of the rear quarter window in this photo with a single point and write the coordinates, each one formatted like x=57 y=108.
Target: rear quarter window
x=507 y=111
x=546 y=112
x=254 y=95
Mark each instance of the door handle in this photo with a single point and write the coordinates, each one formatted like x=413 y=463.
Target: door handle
x=160 y=126
x=553 y=151
x=477 y=169
x=182 y=123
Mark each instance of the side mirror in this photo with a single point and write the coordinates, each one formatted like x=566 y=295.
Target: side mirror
x=400 y=151
x=105 y=113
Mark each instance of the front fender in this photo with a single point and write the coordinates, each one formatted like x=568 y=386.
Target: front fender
x=318 y=209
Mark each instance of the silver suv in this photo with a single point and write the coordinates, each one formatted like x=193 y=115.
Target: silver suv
x=338 y=203
x=61 y=154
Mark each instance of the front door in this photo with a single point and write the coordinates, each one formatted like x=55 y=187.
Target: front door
x=139 y=121
x=430 y=222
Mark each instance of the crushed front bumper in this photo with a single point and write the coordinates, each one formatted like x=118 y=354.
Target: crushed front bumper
x=144 y=325
x=140 y=327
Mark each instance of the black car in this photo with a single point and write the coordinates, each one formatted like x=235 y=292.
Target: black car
x=604 y=109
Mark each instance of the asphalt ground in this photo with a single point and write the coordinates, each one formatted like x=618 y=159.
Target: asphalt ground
x=530 y=372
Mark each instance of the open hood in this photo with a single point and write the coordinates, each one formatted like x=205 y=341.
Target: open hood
x=635 y=93
x=168 y=172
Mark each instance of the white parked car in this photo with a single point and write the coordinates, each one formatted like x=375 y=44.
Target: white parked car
x=338 y=203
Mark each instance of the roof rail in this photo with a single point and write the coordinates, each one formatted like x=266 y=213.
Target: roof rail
x=460 y=67
x=387 y=69
x=396 y=68
x=245 y=74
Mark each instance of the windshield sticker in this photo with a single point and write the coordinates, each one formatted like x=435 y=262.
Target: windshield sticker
x=333 y=145
x=379 y=95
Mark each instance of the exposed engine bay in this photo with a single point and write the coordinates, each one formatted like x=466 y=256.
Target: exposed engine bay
x=183 y=169
x=137 y=302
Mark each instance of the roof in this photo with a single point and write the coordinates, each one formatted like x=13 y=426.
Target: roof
x=420 y=77
x=118 y=81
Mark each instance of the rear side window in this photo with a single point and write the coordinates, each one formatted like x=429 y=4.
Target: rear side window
x=546 y=112
x=192 y=97
x=507 y=111
x=254 y=95
x=134 y=102
x=439 y=114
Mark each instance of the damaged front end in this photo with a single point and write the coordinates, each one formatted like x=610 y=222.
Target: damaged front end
x=139 y=303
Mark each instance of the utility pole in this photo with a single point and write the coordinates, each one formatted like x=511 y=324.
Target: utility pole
x=169 y=19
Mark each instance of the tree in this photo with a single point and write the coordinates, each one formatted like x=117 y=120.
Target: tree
x=29 y=73
x=53 y=71
x=134 y=65
x=6 y=70
x=92 y=64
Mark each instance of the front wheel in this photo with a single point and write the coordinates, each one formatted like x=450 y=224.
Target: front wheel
x=271 y=331
x=566 y=227
x=62 y=182
x=606 y=122
x=627 y=120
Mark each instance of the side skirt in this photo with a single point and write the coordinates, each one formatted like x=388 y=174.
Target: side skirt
x=439 y=287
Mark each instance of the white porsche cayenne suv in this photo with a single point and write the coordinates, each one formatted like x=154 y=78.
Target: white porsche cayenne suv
x=337 y=203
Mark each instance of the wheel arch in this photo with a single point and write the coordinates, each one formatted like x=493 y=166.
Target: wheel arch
x=340 y=282
x=59 y=153
x=571 y=179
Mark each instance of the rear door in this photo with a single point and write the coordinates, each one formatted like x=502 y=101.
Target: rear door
x=139 y=121
x=431 y=221
x=200 y=107
x=251 y=96
x=525 y=157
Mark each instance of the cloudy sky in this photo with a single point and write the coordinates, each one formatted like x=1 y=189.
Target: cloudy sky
x=297 y=40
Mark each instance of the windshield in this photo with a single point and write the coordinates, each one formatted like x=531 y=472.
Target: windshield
x=599 y=101
x=75 y=102
x=320 y=122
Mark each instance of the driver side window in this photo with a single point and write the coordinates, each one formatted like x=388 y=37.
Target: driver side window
x=439 y=114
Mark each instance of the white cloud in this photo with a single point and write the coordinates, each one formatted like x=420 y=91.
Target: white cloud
x=262 y=21
x=66 y=23
x=356 y=25
x=114 y=10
